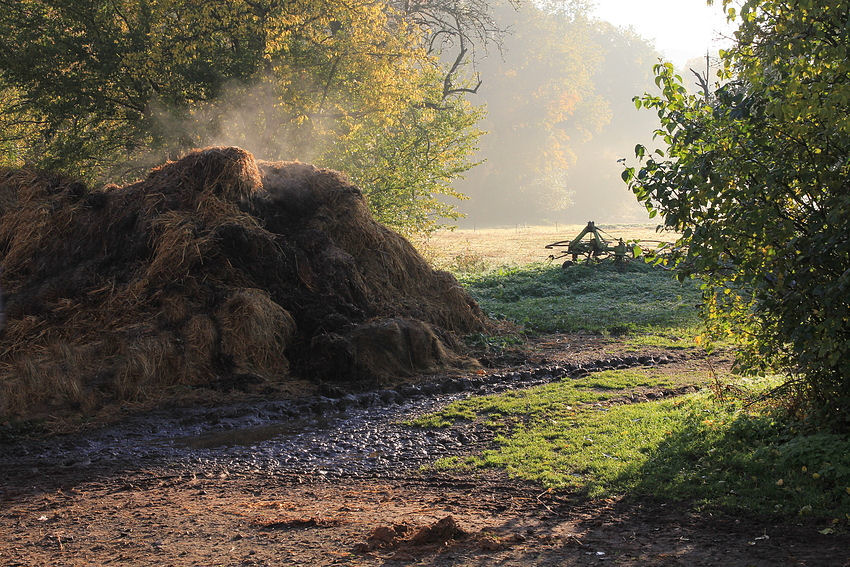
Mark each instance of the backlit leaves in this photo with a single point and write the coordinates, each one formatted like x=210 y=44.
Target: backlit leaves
x=758 y=175
x=106 y=88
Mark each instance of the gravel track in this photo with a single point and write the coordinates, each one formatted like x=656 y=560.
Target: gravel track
x=354 y=434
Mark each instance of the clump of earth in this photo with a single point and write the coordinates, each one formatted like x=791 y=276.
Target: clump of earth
x=215 y=268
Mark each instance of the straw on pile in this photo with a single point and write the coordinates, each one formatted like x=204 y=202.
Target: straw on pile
x=214 y=267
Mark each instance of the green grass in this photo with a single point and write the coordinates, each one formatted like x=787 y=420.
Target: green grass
x=671 y=337
x=692 y=448
x=713 y=454
x=634 y=299
x=558 y=397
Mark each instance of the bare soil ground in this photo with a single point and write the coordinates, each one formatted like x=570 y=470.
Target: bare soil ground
x=162 y=515
x=151 y=517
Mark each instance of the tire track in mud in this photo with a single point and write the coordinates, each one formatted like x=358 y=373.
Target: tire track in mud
x=346 y=435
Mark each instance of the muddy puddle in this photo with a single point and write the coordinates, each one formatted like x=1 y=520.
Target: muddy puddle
x=250 y=437
x=352 y=435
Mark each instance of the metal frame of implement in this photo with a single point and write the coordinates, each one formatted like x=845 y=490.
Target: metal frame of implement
x=594 y=248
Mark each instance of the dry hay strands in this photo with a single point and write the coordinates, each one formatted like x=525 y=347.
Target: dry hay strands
x=453 y=308
x=18 y=186
x=170 y=281
x=180 y=242
x=202 y=340
x=13 y=185
x=387 y=271
x=255 y=333
x=147 y=362
x=41 y=216
x=185 y=239
x=386 y=348
x=51 y=376
x=230 y=173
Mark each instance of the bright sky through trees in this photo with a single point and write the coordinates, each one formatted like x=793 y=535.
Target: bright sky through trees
x=681 y=29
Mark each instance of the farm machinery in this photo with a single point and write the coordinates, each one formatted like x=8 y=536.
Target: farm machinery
x=591 y=245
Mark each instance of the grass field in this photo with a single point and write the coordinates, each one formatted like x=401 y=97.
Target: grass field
x=715 y=454
x=478 y=249
x=714 y=451
x=506 y=271
x=603 y=298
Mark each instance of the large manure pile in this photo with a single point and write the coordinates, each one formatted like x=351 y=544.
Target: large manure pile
x=216 y=267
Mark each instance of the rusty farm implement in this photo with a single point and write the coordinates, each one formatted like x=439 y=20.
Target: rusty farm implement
x=591 y=244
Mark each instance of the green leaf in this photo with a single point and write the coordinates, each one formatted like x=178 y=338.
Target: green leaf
x=755 y=177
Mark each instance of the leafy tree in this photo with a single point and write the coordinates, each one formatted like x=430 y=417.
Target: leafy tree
x=16 y=126
x=756 y=178
x=105 y=88
x=541 y=104
x=92 y=71
x=403 y=158
x=558 y=97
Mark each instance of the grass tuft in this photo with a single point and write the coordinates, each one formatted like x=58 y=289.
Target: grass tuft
x=691 y=448
x=633 y=299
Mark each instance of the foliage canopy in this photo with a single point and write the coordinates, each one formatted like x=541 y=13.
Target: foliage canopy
x=104 y=89
x=755 y=176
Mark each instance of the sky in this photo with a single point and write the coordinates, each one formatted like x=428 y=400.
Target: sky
x=680 y=29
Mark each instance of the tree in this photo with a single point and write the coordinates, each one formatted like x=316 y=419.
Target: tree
x=107 y=88
x=410 y=169
x=16 y=126
x=91 y=72
x=558 y=97
x=541 y=104
x=756 y=178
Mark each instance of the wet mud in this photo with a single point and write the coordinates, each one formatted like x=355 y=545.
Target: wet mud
x=350 y=434
x=338 y=480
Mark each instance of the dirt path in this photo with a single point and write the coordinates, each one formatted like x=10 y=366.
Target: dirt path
x=156 y=518
x=231 y=508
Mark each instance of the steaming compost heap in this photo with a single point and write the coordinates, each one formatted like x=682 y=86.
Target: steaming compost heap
x=214 y=267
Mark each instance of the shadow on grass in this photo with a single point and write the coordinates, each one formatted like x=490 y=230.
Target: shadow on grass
x=734 y=461
x=708 y=455
x=721 y=487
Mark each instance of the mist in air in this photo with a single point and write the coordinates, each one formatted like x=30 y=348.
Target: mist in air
x=559 y=117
